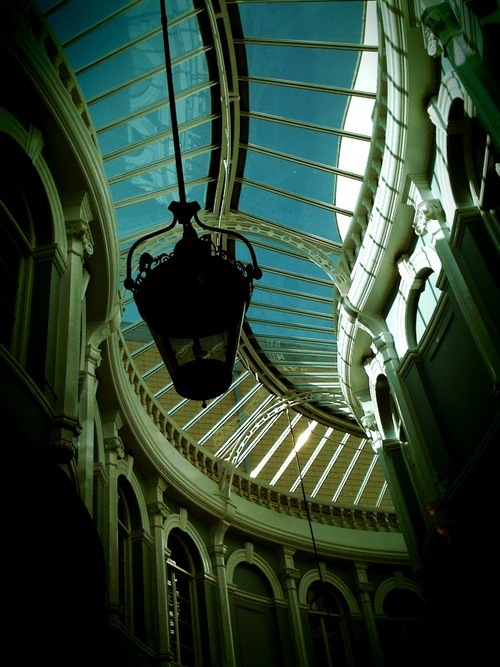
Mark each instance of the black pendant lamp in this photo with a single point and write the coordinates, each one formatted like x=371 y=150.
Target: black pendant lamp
x=193 y=299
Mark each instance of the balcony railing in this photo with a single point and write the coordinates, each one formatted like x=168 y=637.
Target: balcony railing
x=353 y=517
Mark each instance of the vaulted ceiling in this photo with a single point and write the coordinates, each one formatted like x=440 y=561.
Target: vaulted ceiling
x=274 y=102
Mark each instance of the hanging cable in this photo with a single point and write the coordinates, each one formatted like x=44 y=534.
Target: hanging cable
x=322 y=582
x=308 y=513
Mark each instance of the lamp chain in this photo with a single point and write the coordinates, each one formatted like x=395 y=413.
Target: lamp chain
x=173 y=110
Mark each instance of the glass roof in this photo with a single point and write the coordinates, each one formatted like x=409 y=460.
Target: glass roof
x=274 y=102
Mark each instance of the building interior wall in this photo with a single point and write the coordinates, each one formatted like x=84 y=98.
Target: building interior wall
x=101 y=530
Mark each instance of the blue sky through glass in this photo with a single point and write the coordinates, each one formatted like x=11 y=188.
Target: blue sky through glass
x=298 y=63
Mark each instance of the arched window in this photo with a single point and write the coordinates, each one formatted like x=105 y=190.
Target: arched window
x=25 y=225
x=124 y=558
x=258 y=636
x=130 y=562
x=422 y=302
x=328 y=627
x=390 y=420
x=182 y=604
x=456 y=141
x=402 y=634
x=16 y=237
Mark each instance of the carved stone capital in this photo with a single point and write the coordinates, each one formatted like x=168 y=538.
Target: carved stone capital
x=364 y=587
x=158 y=509
x=62 y=438
x=289 y=573
x=80 y=230
x=440 y=20
x=432 y=43
x=77 y=215
x=114 y=444
x=425 y=213
x=368 y=422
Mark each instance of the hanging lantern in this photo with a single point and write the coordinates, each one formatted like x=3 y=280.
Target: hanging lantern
x=194 y=301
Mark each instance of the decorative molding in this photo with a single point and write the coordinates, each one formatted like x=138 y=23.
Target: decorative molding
x=249 y=552
x=158 y=509
x=426 y=212
x=114 y=444
x=357 y=518
x=183 y=519
x=34 y=143
x=64 y=431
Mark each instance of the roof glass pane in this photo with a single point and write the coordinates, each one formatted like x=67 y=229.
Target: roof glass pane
x=125 y=29
x=307 y=65
x=143 y=111
x=301 y=104
x=294 y=140
x=287 y=301
x=301 y=216
x=321 y=21
x=139 y=218
x=265 y=327
x=130 y=18
x=286 y=263
x=132 y=64
x=297 y=178
x=153 y=181
x=148 y=152
x=73 y=18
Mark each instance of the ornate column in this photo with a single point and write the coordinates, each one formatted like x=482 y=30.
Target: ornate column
x=158 y=513
x=393 y=464
x=403 y=453
x=386 y=361
x=96 y=333
x=218 y=553
x=364 y=589
x=114 y=452
x=289 y=576
x=430 y=219
x=451 y=28
x=69 y=330
x=85 y=446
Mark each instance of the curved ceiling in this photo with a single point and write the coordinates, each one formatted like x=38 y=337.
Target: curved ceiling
x=274 y=102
